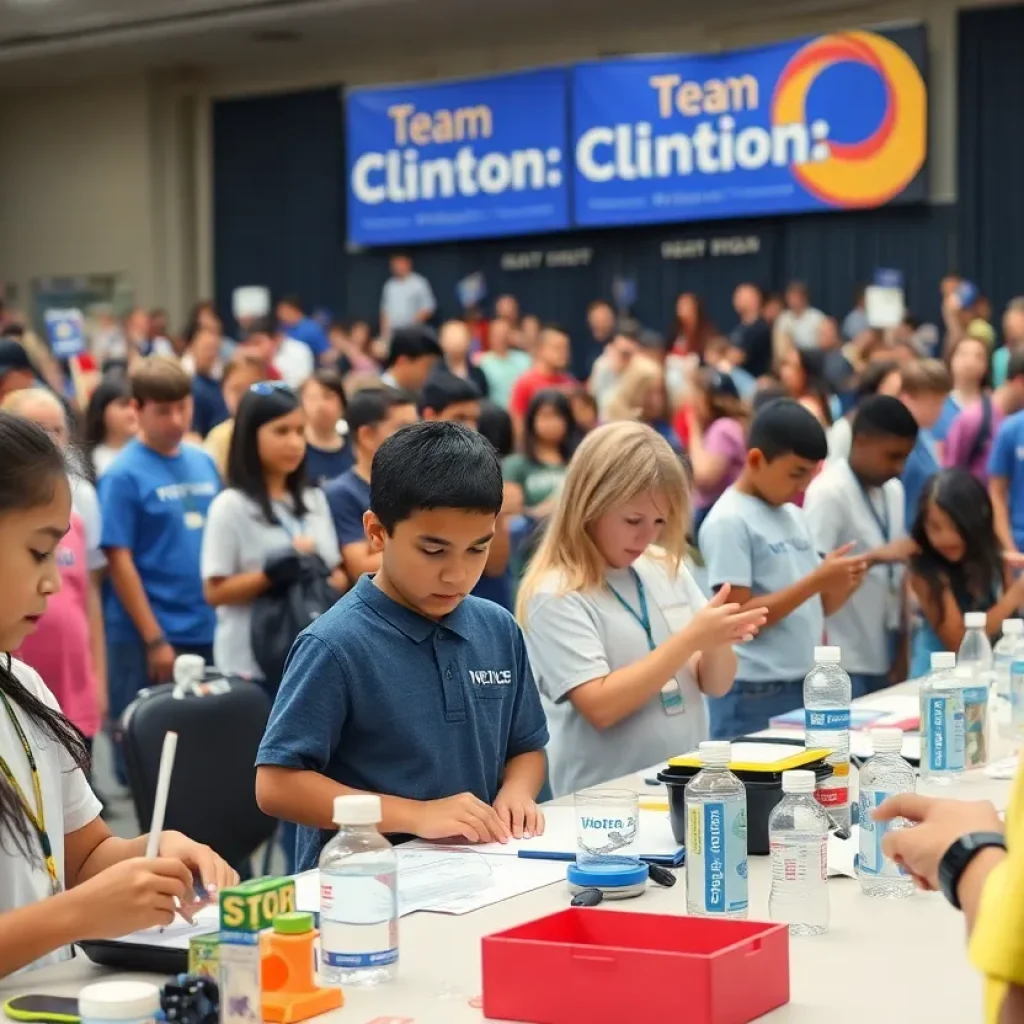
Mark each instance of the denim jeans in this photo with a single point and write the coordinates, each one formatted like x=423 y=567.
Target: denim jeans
x=748 y=706
x=864 y=683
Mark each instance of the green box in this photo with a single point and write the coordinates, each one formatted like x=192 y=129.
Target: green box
x=204 y=955
x=252 y=906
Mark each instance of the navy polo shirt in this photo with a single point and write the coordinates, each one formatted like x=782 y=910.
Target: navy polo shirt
x=348 y=497
x=382 y=699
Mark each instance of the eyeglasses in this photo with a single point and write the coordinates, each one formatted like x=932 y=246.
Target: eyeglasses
x=270 y=387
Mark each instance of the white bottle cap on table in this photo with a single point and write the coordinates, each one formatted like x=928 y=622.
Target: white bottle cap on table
x=975 y=620
x=716 y=753
x=798 y=781
x=827 y=655
x=357 y=810
x=943 y=660
x=1013 y=627
x=118 y=1000
x=886 y=740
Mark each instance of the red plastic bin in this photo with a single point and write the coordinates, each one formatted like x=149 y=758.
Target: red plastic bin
x=592 y=966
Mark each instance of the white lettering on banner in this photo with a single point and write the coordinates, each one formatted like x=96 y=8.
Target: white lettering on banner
x=631 y=152
x=557 y=259
x=491 y=677
x=698 y=248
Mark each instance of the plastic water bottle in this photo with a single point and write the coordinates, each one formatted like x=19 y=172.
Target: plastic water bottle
x=358 y=898
x=798 y=837
x=976 y=655
x=885 y=775
x=942 y=722
x=827 y=694
x=1017 y=696
x=716 y=837
x=1010 y=648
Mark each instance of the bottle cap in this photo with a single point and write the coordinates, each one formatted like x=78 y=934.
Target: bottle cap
x=943 y=660
x=827 y=655
x=716 y=753
x=1013 y=627
x=798 y=781
x=975 y=620
x=886 y=740
x=118 y=1000
x=963 y=672
x=189 y=668
x=357 y=810
x=299 y=922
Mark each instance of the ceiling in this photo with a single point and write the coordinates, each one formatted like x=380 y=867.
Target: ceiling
x=61 y=40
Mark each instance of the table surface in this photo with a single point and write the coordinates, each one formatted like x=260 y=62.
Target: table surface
x=909 y=954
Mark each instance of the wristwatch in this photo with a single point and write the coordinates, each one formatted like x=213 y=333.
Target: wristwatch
x=957 y=858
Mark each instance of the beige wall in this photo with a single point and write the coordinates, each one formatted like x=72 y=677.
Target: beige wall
x=115 y=177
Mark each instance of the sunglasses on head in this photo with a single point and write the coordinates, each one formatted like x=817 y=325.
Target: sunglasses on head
x=270 y=387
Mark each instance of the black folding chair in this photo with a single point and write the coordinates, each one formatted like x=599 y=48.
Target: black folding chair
x=212 y=797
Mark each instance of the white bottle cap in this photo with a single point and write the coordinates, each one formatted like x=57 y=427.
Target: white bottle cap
x=1013 y=627
x=716 y=753
x=189 y=668
x=886 y=740
x=943 y=660
x=975 y=620
x=798 y=781
x=118 y=1000
x=963 y=672
x=827 y=655
x=357 y=810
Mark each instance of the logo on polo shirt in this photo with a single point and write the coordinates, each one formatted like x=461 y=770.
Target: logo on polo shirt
x=491 y=677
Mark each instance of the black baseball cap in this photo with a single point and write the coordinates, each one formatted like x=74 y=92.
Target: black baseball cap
x=13 y=357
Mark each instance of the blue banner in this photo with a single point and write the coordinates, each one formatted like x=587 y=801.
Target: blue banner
x=65 y=330
x=458 y=160
x=830 y=122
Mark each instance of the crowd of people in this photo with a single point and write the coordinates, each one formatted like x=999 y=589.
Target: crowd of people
x=661 y=528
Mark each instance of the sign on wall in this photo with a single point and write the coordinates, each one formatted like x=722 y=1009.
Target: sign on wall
x=832 y=122
x=457 y=160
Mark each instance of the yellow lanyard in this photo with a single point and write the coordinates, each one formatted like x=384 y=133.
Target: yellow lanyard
x=36 y=816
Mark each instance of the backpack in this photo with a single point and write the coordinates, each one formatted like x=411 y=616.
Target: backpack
x=299 y=594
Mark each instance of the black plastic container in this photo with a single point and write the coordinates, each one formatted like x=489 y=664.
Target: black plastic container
x=764 y=791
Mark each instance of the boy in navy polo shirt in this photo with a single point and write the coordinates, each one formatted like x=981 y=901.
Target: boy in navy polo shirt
x=408 y=687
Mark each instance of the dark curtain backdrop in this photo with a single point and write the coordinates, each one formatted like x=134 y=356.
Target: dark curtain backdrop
x=279 y=221
x=991 y=151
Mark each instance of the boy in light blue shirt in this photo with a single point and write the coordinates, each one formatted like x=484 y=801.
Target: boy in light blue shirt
x=408 y=687
x=756 y=542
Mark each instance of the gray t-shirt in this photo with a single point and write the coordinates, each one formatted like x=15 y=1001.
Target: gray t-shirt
x=749 y=543
x=576 y=637
x=238 y=539
x=801 y=328
x=837 y=511
x=404 y=299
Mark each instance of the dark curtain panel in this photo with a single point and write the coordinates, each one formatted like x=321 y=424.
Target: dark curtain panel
x=991 y=151
x=278 y=194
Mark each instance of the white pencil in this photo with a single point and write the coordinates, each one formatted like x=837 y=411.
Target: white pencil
x=163 y=786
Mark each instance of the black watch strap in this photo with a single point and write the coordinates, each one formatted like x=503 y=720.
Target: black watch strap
x=960 y=854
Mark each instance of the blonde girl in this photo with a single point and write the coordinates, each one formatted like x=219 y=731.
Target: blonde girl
x=621 y=640
x=642 y=394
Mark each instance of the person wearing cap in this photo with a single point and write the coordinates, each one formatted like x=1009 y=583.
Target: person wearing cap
x=717 y=439
x=16 y=370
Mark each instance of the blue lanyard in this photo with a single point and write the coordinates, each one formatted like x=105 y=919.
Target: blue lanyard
x=290 y=523
x=642 y=618
x=882 y=519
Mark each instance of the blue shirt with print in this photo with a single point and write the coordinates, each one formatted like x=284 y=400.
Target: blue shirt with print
x=348 y=497
x=380 y=698
x=155 y=506
x=1007 y=460
x=921 y=465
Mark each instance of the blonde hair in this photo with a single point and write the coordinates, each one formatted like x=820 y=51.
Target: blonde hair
x=613 y=465
x=627 y=401
x=16 y=401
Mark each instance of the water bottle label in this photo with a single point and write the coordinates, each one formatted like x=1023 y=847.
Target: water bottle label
x=798 y=863
x=831 y=795
x=976 y=695
x=837 y=718
x=381 y=959
x=716 y=855
x=871 y=859
x=944 y=734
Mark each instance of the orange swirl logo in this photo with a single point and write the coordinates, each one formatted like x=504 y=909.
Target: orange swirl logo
x=870 y=172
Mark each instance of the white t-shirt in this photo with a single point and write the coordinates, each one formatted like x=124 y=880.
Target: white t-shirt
x=838 y=512
x=576 y=637
x=294 y=361
x=68 y=804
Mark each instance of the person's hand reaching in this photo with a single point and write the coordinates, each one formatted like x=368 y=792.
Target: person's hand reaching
x=720 y=622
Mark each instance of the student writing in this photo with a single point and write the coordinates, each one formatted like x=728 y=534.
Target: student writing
x=408 y=687
x=94 y=885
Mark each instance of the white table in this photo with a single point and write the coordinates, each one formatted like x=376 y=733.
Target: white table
x=884 y=961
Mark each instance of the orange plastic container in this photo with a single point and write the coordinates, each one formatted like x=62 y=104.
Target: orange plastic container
x=289 y=987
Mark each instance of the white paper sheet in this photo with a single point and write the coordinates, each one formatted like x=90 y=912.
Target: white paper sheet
x=177 y=934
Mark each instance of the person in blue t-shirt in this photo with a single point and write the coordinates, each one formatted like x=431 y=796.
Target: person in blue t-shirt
x=924 y=387
x=295 y=324
x=208 y=406
x=328 y=454
x=154 y=499
x=373 y=415
x=1006 y=482
x=408 y=687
